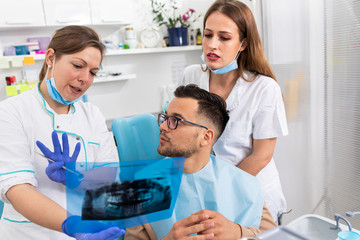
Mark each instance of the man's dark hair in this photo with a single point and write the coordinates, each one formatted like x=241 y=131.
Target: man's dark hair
x=211 y=105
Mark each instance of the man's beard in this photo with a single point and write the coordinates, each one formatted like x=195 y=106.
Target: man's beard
x=177 y=152
x=174 y=151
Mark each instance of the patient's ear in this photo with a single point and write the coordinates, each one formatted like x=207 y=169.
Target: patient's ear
x=208 y=137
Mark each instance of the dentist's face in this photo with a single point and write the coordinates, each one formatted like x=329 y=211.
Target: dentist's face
x=74 y=73
x=221 y=40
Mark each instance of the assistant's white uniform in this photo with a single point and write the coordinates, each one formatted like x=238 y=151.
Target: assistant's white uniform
x=256 y=112
x=23 y=120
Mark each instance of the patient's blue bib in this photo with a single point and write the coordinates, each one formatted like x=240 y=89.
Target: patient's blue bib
x=220 y=187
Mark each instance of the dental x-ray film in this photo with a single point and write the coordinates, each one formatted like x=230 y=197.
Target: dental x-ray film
x=124 y=194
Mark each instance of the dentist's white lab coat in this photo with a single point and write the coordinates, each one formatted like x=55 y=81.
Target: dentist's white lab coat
x=23 y=120
x=256 y=112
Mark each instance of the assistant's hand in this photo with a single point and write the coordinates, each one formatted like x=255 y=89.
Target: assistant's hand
x=60 y=157
x=94 y=230
x=223 y=227
x=195 y=223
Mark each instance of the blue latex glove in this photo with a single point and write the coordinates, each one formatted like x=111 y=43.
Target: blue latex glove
x=93 y=230
x=60 y=157
x=107 y=234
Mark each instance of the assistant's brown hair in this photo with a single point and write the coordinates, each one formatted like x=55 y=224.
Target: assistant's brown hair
x=252 y=58
x=72 y=39
x=210 y=105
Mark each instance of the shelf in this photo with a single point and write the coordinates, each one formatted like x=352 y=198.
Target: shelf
x=123 y=52
x=152 y=50
x=121 y=77
x=36 y=57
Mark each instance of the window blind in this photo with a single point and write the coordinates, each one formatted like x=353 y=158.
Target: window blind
x=314 y=49
x=342 y=118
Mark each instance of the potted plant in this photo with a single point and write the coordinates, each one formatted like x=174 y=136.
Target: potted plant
x=177 y=24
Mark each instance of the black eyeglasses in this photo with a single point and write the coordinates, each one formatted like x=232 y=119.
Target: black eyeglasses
x=172 y=122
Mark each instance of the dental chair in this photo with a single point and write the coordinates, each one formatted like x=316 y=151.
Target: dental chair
x=137 y=137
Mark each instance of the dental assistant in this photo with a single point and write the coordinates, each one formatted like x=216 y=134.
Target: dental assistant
x=35 y=205
x=235 y=67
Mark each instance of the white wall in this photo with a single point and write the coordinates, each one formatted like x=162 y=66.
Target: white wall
x=143 y=94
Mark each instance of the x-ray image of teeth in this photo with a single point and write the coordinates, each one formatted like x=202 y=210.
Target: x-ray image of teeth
x=131 y=194
x=127 y=199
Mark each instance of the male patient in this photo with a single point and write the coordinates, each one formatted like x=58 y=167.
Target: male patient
x=216 y=200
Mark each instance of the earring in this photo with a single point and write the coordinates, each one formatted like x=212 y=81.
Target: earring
x=49 y=66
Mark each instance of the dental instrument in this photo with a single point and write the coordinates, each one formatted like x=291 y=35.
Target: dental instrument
x=80 y=175
x=338 y=217
x=352 y=214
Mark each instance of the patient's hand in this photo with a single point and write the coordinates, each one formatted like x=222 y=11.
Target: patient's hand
x=223 y=227
x=195 y=223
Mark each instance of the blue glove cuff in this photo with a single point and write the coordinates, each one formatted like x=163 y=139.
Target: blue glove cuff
x=63 y=226
x=73 y=180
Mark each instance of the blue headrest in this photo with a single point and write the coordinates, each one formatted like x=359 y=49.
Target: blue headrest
x=137 y=138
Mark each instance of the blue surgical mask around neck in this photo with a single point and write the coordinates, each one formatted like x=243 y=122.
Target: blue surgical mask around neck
x=228 y=68
x=52 y=90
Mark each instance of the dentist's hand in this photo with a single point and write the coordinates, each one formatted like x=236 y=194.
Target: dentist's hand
x=94 y=230
x=107 y=234
x=60 y=157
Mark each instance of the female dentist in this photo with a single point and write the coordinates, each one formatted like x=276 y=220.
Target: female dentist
x=238 y=71
x=34 y=204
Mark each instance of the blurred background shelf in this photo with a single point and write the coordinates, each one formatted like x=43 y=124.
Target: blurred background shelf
x=123 y=52
x=121 y=77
